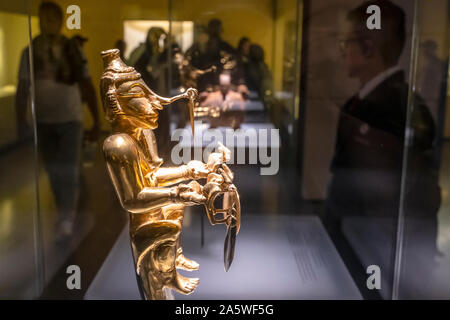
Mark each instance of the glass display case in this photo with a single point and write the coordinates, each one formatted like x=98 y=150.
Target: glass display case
x=334 y=114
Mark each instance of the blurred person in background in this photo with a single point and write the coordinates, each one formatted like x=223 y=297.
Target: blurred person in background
x=216 y=46
x=258 y=76
x=431 y=82
x=224 y=89
x=122 y=46
x=62 y=81
x=197 y=51
x=242 y=57
x=151 y=60
x=213 y=52
x=367 y=163
x=243 y=50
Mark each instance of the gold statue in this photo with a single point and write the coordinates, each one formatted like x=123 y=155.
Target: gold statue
x=153 y=195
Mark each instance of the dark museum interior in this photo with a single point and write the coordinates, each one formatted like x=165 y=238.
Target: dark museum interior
x=335 y=116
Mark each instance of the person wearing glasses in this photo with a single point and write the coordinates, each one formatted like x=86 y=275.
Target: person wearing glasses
x=373 y=130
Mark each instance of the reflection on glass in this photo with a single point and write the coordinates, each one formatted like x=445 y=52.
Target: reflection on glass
x=423 y=226
x=19 y=261
x=62 y=82
x=370 y=103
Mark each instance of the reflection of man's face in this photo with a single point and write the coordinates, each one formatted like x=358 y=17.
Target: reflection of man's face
x=49 y=22
x=354 y=59
x=136 y=100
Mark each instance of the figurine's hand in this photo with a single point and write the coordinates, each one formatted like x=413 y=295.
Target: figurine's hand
x=217 y=158
x=191 y=194
x=197 y=170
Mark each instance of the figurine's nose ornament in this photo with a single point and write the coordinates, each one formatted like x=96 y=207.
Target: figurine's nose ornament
x=192 y=96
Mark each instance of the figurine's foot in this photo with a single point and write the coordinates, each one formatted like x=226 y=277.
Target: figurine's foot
x=186 y=264
x=184 y=285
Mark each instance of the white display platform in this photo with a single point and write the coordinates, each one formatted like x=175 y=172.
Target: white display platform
x=373 y=239
x=277 y=257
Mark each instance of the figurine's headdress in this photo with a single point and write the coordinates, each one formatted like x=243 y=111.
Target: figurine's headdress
x=115 y=71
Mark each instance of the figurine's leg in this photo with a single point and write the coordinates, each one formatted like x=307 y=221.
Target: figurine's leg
x=174 y=280
x=184 y=263
x=176 y=212
x=154 y=248
x=182 y=284
x=157 y=270
x=168 y=273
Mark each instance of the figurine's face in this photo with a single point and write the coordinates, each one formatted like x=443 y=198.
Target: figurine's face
x=137 y=100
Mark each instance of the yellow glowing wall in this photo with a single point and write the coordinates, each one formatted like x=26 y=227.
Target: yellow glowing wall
x=285 y=11
x=13 y=39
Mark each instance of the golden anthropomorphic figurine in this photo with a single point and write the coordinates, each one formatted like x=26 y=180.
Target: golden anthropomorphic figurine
x=155 y=196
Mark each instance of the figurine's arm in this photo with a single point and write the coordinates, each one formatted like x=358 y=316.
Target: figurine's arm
x=194 y=170
x=124 y=166
x=170 y=176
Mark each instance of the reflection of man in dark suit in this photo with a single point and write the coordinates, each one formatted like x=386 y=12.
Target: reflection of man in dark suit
x=367 y=163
